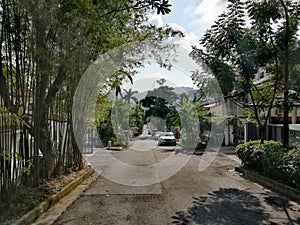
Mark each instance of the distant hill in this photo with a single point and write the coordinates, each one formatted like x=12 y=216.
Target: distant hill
x=178 y=90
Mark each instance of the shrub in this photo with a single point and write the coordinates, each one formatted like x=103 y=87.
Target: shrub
x=290 y=166
x=260 y=157
x=272 y=160
x=106 y=133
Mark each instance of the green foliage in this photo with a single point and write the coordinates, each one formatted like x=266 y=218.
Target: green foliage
x=116 y=143
x=162 y=7
x=290 y=165
x=13 y=120
x=27 y=169
x=137 y=120
x=106 y=132
x=126 y=117
x=189 y=115
x=46 y=48
x=158 y=107
x=236 y=51
x=295 y=79
x=259 y=156
x=103 y=109
x=224 y=75
x=159 y=101
x=172 y=119
x=129 y=95
x=272 y=160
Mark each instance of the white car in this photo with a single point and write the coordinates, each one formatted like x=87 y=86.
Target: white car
x=166 y=138
x=157 y=134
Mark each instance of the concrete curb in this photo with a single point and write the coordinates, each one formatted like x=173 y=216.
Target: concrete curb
x=35 y=213
x=283 y=189
x=115 y=148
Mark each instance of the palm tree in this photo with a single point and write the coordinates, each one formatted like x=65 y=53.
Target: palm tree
x=117 y=79
x=129 y=95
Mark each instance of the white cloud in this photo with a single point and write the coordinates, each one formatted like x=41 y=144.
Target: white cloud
x=189 y=38
x=155 y=20
x=176 y=26
x=208 y=11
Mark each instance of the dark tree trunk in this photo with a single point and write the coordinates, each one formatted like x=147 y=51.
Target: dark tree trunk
x=286 y=79
x=263 y=132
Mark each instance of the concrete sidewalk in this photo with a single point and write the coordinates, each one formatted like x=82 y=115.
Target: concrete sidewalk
x=229 y=151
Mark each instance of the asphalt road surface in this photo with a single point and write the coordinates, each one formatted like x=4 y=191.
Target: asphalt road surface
x=215 y=195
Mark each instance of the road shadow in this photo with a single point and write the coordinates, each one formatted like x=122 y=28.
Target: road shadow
x=282 y=204
x=190 y=150
x=226 y=206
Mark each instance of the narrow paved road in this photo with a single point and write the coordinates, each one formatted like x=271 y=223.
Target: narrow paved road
x=217 y=195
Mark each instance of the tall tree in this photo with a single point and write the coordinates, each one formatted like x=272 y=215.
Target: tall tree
x=46 y=46
x=291 y=22
x=129 y=95
x=160 y=101
x=252 y=52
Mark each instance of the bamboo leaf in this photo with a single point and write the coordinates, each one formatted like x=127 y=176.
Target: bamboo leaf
x=20 y=111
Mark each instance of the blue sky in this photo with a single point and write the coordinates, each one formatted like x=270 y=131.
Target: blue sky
x=193 y=17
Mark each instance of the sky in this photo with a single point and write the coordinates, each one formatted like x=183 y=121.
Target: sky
x=193 y=17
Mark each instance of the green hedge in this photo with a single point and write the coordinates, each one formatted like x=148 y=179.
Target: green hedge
x=272 y=160
x=290 y=165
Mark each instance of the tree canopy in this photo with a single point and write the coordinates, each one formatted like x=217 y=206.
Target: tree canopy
x=46 y=47
x=250 y=41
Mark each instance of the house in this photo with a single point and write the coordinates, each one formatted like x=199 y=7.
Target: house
x=275 y=127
